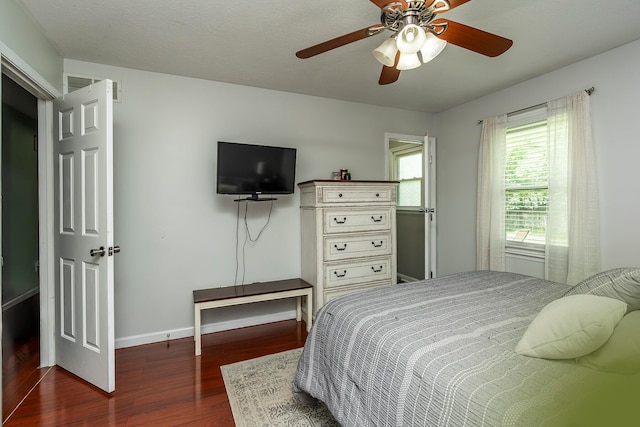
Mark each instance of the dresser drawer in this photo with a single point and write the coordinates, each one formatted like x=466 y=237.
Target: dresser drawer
x=363 y=245
x=351 y=273
x=345 y=221
x=358 y=194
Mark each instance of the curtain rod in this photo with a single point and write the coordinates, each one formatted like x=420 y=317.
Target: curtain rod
x=522 y=110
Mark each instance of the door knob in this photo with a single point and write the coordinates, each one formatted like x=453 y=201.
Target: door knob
x=114 y=250
x=96 y=252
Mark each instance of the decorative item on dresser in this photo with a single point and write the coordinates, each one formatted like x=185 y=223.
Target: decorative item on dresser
x=348 y=236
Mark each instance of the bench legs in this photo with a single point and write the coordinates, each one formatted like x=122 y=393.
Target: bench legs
x=309 y=307
x=197 y=331
x=199 y=307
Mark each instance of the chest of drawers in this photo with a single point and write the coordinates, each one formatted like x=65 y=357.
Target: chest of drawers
x=348 y=236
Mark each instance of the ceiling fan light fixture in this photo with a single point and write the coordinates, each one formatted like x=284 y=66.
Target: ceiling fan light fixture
x=432 y=47
x=411 y=38
x=408 y=61
x=418 y=33
x=386 y=52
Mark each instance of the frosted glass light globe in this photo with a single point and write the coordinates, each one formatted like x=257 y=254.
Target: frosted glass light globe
x=386 y=52
x=432 y=47
x=411 y=38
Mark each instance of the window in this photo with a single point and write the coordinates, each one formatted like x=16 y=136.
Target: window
x=539 y=202
x=407 y=168
x=526 y=183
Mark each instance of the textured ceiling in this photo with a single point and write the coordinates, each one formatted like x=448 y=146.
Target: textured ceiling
x=254 y=42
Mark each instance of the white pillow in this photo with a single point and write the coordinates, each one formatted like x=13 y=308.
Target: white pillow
x=571 y=326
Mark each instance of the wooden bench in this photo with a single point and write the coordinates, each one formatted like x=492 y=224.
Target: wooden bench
x=204 y=299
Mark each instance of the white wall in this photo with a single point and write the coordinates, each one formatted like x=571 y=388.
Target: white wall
x=176 y=234
x=23 y=43
x=615 y=111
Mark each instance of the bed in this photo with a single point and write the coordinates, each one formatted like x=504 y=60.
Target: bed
x=440 y=353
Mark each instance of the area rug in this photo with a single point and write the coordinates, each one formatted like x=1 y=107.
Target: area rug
x=260 y=393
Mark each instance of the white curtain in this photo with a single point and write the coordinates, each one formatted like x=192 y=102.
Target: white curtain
x=572 y=251
x=490 y=234
x=573 y=237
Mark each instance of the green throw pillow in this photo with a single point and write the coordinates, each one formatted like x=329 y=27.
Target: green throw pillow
x=621 y=353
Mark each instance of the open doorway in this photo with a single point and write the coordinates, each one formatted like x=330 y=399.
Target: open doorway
x=45 y=97
x=20 y=228
x=411 y=162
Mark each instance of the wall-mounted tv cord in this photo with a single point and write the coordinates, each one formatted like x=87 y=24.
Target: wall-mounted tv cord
x=247 y=236
x=235 y=277
x=263 y=227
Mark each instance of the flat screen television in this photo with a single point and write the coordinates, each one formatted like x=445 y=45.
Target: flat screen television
x=247 y=169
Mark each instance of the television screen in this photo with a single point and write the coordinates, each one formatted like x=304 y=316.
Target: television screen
x=255 y=169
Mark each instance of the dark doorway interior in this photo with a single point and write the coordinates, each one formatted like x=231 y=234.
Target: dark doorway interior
x=20 y=284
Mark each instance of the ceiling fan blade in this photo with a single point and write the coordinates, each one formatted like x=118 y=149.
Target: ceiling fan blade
x=389 y=74
x=334 y=43
x=473 y=39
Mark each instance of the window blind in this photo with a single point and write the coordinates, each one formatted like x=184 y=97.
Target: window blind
x=408 y=172
x=526 y=182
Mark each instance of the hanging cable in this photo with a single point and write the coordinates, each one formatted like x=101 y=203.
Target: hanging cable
x=247 y=238
x=263 y=228
x=235 y=277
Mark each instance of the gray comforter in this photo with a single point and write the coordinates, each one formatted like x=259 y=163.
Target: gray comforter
x=436 y=353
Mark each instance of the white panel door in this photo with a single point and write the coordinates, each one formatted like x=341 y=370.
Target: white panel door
x=83 y=157
x=429 y=162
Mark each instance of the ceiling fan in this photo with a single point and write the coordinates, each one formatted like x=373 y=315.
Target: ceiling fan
x=418 y=36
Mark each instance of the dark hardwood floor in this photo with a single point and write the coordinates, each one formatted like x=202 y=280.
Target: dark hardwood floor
x=20 y=352
x=161 y=384
x=19 y=372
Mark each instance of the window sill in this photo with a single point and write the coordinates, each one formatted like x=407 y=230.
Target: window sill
x=525 y=250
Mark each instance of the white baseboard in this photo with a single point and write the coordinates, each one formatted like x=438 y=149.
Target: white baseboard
x=206 y=329
x=407 y=278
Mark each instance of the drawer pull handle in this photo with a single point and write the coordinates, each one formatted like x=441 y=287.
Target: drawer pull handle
x=376 y=271
x=377 y=246
x=344 y=219
x=377 y=194
x=376 y=220
x=339 y=194
x=344 y=273
x=342 y=248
